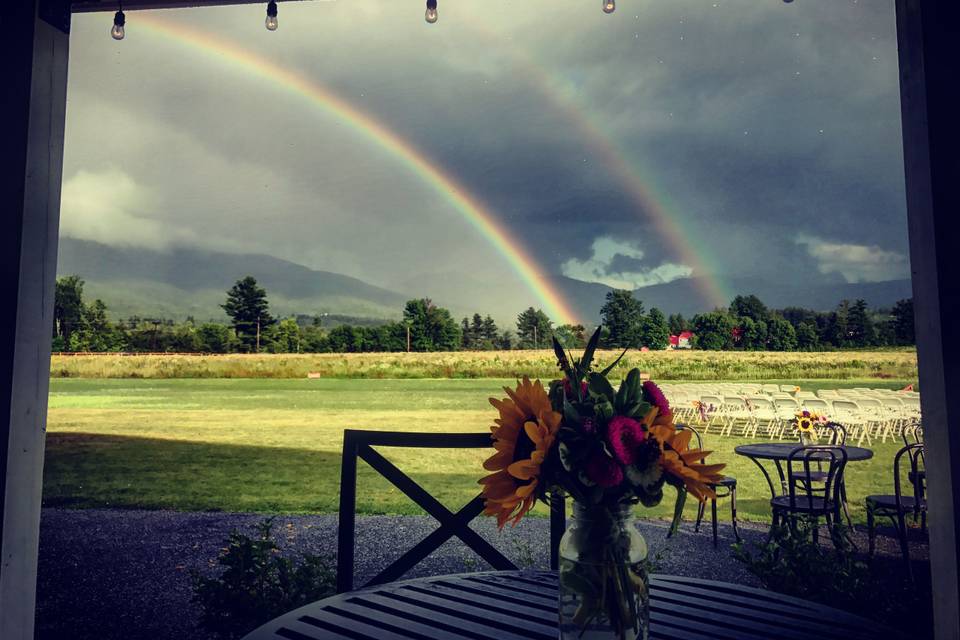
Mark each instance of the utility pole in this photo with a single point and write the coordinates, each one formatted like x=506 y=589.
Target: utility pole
x=258 y=334
x=536 y=343
x=408 y=338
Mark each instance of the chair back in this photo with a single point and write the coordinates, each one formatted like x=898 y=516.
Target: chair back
x=834 y=434
x=808 y=465
x=916 y=476
x=912 y=434
x=359 y=444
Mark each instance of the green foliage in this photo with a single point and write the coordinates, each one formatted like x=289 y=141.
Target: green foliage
x=832 y=572
x=902 y=318
x=479 y=334
x=213 y=337
x=621 y=315
x=781 y=335
x=258 y=584
x=654 y=331
x=249 y=311
x=749 y=307
x=713 y=331
x=571 y=336
x=678 y=324
x=534 y=329
x=67 y=307
x=432 y=328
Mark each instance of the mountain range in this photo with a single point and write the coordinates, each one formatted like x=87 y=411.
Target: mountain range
x=192 y=282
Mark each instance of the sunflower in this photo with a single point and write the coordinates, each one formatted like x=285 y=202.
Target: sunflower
x=522 y=436
x=681 y=462
x=805 y=423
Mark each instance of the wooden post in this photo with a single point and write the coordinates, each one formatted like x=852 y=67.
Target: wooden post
x=33 y=102
x=929 y=47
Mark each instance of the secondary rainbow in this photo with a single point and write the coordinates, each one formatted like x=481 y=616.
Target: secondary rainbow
x=478 y=215
x=652 y=204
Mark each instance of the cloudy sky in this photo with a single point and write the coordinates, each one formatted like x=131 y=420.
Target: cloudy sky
x=727 y=138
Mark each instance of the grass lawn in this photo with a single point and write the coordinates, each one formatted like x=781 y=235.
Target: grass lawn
x=273 y=445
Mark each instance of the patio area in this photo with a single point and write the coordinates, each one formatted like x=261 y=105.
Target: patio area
x=112 y=574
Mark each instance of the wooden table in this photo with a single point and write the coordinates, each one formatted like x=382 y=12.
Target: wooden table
x=522 y=605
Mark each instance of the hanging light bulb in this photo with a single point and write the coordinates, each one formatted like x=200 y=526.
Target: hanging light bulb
x=609 y=6
x=431 y=15
x=118 y=21
x=271 y=21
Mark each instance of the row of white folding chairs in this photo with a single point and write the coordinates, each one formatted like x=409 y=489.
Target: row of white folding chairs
x=866 y=417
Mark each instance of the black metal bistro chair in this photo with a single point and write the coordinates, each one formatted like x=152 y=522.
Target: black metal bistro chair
x=832 y=434
x=725 y=488
x=897 y=506
x=359 y=444
x=809 y=496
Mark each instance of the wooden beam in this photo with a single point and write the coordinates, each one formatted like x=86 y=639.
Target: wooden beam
x=34 y=104
x=929 y=48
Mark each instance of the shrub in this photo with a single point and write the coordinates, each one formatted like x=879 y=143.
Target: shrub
x=258 y=584
x=836 y=575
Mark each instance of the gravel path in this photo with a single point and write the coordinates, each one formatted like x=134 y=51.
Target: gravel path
x=110 y=574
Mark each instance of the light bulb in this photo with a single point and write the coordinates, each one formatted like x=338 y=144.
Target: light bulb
x=118 y=22
x=609 y=6
x=271 y=21
x=431 y=14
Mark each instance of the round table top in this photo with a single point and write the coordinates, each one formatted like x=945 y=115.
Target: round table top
x=781 y=451
x=522 y=605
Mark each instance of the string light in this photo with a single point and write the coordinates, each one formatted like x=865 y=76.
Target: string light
x=119 y=20
x=609 y=6
x=431 y=15
x=271 y=21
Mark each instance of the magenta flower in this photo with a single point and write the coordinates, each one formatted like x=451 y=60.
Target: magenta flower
x=653 y=395
x=604 y=471
x=624 y=436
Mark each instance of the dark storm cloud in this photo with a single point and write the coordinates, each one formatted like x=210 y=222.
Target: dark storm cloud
x=756 y=124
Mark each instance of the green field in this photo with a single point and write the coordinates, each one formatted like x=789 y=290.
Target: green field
x=273 y=445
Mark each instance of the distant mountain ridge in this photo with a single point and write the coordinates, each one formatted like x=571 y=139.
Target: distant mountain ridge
x=193 y=282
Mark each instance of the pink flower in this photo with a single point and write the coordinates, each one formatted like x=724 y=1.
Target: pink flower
x=625 y=435
x=653 y=395
x=604 y=471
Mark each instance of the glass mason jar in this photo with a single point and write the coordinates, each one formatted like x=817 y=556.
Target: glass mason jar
x=604 y=586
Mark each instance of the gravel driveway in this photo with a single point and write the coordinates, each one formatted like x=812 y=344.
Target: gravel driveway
x=110 y=574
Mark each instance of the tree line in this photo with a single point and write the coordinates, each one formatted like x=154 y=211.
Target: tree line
x=746 y=325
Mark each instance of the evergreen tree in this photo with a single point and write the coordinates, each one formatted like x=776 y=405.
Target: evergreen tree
x=490 y=333
x=249 y=312
x=621 y=314
x=654 y=331
x=534 y=329
x=903 y=330
x=432 y=328
x=467 y=340
x=860 y=329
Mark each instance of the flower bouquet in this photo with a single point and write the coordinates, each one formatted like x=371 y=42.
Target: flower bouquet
x=806 y=424
x=609 y=450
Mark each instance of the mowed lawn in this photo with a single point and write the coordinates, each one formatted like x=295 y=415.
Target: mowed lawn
x=274 y=445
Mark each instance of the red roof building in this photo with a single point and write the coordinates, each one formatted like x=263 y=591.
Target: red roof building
x=682 y=341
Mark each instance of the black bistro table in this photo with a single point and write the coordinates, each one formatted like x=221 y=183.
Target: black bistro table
x=522 y=605
x=779 y=452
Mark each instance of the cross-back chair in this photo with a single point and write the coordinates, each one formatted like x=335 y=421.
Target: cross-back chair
x=359 y=444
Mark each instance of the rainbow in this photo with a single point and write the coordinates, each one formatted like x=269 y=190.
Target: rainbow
x=469 y=206
x=651 y=204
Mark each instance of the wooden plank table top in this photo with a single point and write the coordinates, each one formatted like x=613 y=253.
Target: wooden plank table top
x=522 y=605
